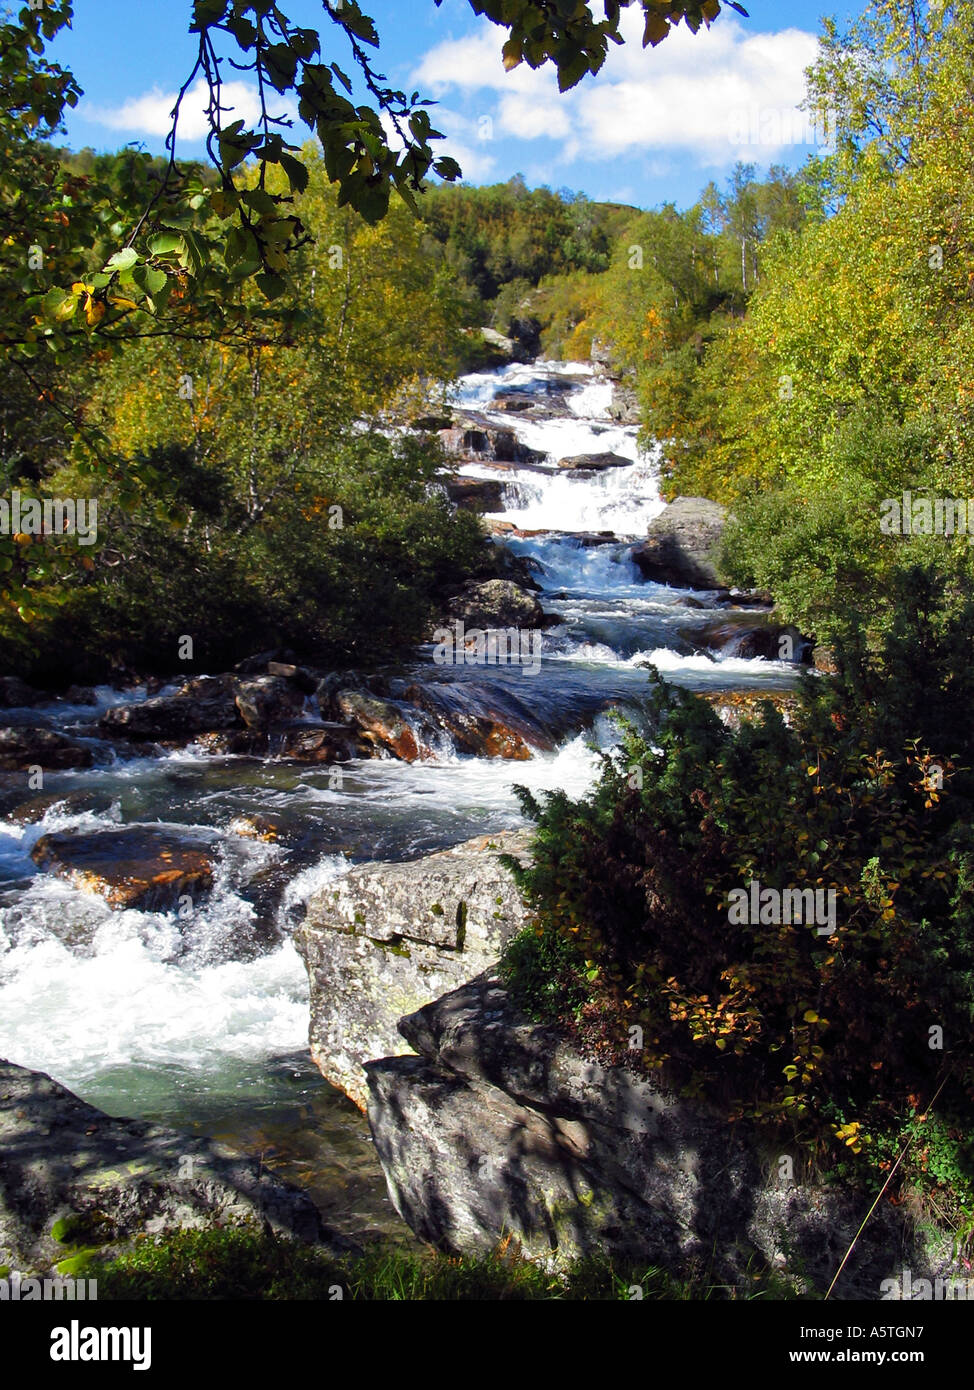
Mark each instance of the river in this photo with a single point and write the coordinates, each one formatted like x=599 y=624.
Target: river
x=212 y=1034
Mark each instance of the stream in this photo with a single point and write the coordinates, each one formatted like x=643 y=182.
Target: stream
x=211 y=1036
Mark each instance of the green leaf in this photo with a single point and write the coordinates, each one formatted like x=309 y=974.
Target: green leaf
x=123 y=260
x=271 y=286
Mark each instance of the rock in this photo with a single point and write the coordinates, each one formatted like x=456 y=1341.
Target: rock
x=501 y=1128
x=317 y=743
x=23 y=747
x=135 y=866
x=388 y=938
x=497 y=603
x=80 y=695
x=498 y=340
x=678 y=548
x=624 y=406
x=478 y=437
x=384 y=724
x=201 y=706
x=105 y=1180
x=513 y=401
x=432 y=424
x=256 y=827
x=594 y=463
x=15 y=693
x=266 y=700
x=69 y=803
x=749 y=639
x=484 y=720
x=476 y=494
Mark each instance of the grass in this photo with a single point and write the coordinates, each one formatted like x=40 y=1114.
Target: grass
x=245 y=1262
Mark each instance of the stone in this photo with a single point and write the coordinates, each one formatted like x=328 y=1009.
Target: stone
x=15 y=693
x=203 y=705
x=679 y=547
x=387 y=938
x=65 y=1164
x=502 y=1128
x=384 y=725
x=497 y=603
x=23 y=747
x=266 y=700
x=135 y=866
x=476 y=494
x=594 y=463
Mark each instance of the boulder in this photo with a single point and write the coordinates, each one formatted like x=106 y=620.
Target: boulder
x=497 y=603
x=101 y=1181
x=15 y=693
x=200 y=706
x=384 y=725
x=476 y=494
x=594 y=463
x=137 y=866
x=680 y=544
x=747 y=638
x=388 y=938
x=23 y=747
x=265 y=700
x=502 y=1128
x=317 y=743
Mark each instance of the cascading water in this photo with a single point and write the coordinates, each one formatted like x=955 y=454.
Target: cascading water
x=207 y=1025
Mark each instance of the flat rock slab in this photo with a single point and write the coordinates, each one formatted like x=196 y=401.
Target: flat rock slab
x=387 y=938
x=60 y=1158
x=594 y=463
x=134 y=867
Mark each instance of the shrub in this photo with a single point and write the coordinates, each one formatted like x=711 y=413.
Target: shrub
x=868 y=796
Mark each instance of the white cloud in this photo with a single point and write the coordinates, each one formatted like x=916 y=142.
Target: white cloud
x=714 y=97
x=151 y=113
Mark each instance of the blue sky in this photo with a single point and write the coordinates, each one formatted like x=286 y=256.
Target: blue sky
x=652 y=126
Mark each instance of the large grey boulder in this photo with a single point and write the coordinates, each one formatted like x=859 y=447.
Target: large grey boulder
x=679 y=547
x=502 y=1127
x=388 y=938
x=63 y=1161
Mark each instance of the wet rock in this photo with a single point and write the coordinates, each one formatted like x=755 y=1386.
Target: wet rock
x=317 y=743
x=305 y=680
x=201 y=706
x=229 y=743
x=497 y=603
x=255 y=827
x=594 y=463
x=476 y=494
x=680 y=544
x=383 y=724
x=23 y=747
x=68 y=803
x=749 y=639
x=387 y=938
x=80 y=695
x=102 y=1181
x=481 y=720
x=135 y=866
x=432 y=424
x=266 y=700
x=500 y=1127
x=15 y=693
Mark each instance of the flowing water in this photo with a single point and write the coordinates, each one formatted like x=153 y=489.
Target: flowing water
x=211 y=1033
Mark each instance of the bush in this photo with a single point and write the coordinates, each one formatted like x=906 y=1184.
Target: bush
x=867 y=796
